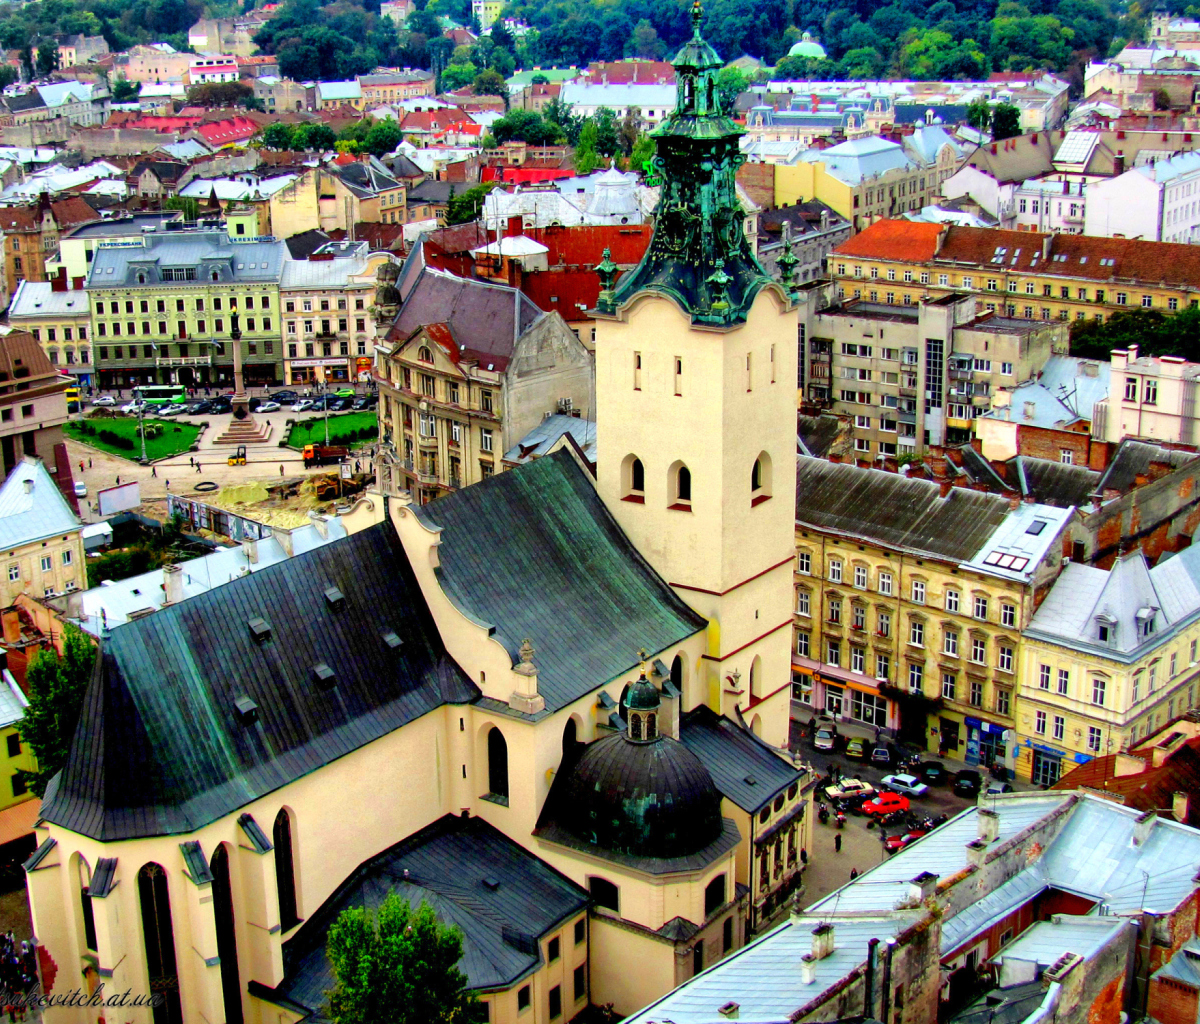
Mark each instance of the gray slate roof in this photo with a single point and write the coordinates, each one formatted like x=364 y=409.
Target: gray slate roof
x=161 y=748
x=894 y=510
x=1053 y=483
x=746 y=771
x=447 y=864
x=1133 y=457
x=535 y=552
x=206 y=251
x=817 y=434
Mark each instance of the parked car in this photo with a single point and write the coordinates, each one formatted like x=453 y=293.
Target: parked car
x=285 y=397
x=104 y=401
x=345 y=392
x=996 y=788
x=846 y=788
x=200 y=407
x=856 y=748
x=886 y=803
x=269 y=407
x=881 y=756
x=894 y=844
x=221 y=406
x=80 y=489
x=302 y=405
x=172 y=409
x=339 y=405
x=826 y=738
x=910 y=785
x=968 y=783
x=933 y=772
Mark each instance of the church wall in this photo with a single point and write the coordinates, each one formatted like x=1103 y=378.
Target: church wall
x=342 y=814
x=628 y=969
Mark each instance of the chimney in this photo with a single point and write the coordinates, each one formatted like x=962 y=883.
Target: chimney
x=1119 y=163
x=808 y=969
x=976 y=852
x=945 y=487
x=322 y=525
x=515 y=227
x=28 y=486
x=1179 y=806
x=989 y=824
x=173 y=583
x=923 y=886
x=1030 y=410
x=822 y=940
x=1143 y=826
x=1047 y=241
x=77 y=283
x=59 y=283
x=250 y=547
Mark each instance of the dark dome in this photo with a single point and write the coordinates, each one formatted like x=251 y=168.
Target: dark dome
x=642 y=696
x=642 y=799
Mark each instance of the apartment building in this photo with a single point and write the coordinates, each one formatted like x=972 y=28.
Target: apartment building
x=155 y=63
x=1150 y=396
x=1158 y=202
x=163 y=307
x=1031 y=275
x=393 y=86
x=30 y=234
x=466 y=371
x=868 y=178
x=210 y=68
x=912 y=375
x=57 y=314
x=42 y=534
x=33 y=402
x=1109 y=657
x=77 y=245
x=327 y=331
x=910 y=600
x=1057 y=202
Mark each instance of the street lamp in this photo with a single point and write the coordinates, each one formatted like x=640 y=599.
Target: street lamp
x=142 y=430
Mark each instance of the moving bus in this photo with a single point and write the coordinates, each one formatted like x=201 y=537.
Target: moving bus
x=72 y=394
x=161 y=394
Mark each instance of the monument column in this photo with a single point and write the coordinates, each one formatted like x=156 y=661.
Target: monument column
x=243 y=428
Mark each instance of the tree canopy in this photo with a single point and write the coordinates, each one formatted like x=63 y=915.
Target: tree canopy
x=1154 y=332
x=56 y=686
x=398 y=965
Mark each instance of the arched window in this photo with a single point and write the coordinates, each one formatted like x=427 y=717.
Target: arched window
x=756 y=677
x=760 y=479
x=633 y=479
x=635 y=727
x=714 y=895
x=285 y=870
x=141 y=278
x=570 y=737
x=679 y=486
x=677 y=673
x=424 y=355
x=604 y=893
x=683 y=484
x=159 y=937
x=85 y=902
x=497 y=763
x=216 y=276
x=651 y=726
x=222 y=890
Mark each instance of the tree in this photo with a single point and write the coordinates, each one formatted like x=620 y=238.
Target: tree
x=586 y=158
x=539 y=79
x=125 y=91
x=56 y=686
x=1162 y=99
x=607 y=137
x=47 y=58
x=731 y=83
x=318 y=137
x=466 y=207
x=1024 y=43
x=277 y=136
x=220 y=94
x=1006 y=121
x=383 y=137
x=397 y=965
x=643 y=153
x=645 y=42
x=189 y=205
x=489 y=83
x=979 y=114
x=458 y=76
x=861 y=64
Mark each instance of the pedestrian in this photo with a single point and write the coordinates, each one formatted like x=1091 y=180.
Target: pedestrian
x=191 y=460
x=853 y=874
x=89 y=462
x=81 y=465
x=118 y=481
x=168 y=485
x=803 y=855
x=357 y=467
x=197 y=465
x=154 y=471
x=281 y=469
x=837 y=843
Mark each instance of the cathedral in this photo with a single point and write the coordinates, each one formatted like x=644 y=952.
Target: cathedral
x=554 y=704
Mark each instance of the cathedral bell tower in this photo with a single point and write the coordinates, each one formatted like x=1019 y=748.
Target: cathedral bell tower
x=696 y=410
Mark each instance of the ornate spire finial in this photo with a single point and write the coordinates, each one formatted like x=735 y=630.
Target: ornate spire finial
x=526 y=652
x=719 y=280
x=643 y=657
x=787 y=267
x=697 y=14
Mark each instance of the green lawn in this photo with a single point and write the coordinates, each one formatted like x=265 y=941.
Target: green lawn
x=176 y=437
x=344 y=429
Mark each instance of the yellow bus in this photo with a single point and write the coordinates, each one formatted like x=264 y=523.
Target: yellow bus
x=73 y=398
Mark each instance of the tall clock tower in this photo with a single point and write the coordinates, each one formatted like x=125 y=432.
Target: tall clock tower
x=696 y=409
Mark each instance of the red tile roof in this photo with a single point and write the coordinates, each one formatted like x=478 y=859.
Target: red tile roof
x=68 y=213
x=585 y=245
x=434 y=120
x=220 y=133
x=622 y=72
x=904 y=240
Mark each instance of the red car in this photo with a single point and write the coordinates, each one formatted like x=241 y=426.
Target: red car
x=886 y=803
x=899 y=842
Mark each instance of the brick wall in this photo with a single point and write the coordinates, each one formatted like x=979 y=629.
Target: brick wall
x=1172 y=1002
x=1041 y=443
x=759 y=182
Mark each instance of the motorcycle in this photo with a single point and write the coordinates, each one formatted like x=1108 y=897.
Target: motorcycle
x=841 y=819
x=823 y=814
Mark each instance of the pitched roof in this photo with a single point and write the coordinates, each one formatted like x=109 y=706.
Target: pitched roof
x=746 y=771
x=895 y=510
x=1133 y=458
x=487 y=319
x=499 y=895
x=140 y=765
x=910 y=241
x=559 y=570
x=1152 y=789
x=32 y=507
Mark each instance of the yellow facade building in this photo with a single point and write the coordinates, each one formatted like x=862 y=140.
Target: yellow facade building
x=909 y=605
x=1109 y=658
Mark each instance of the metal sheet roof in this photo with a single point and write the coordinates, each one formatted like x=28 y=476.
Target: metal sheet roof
x=535 y=552
x=502 y=897
x=162 y=749
x=1045 y=941
x=32 y=507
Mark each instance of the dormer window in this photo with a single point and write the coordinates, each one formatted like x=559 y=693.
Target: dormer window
x=1145 y=622
x=1106 y=628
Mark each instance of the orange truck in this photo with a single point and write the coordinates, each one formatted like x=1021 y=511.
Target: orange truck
x=323 y=454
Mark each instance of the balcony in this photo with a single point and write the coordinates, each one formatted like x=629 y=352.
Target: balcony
x=981 y=401
x=906 y=417
x=183 y=360
x=427 y=475
x=960 y=374
x=427 y=441
x=908 y=392
x=453 y=481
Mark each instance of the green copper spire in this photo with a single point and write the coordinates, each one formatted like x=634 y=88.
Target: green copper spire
x=699 y=254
